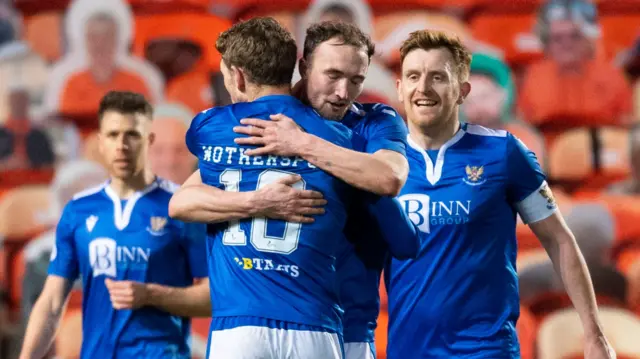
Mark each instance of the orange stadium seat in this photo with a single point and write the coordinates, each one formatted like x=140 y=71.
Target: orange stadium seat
x=202 y=29
x=31 y=7
x=526 y=330
x=17 y=273
x=43 y=32
x=625 y=211
x=199 y=337
x=23 y=211
x=391 y=29
x=20 y=177
x=170 y=6
x=570 y=156
x=626 y=255
x=383 y=6
x=515 y=36
x=619 y=31
x=381 y=334
x=246 y=9
x=561 y=335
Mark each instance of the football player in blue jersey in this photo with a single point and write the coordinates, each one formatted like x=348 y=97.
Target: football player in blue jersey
x=272 y=282
x=334 y=64
x=466 y=186
x=138 y=267
x=332 y=69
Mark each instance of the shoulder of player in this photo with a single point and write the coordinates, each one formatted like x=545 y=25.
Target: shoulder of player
x=86 y=201
x=167 y=186
x=374 y=110
x=88 y=194
x=502 y=139
x=208 y=115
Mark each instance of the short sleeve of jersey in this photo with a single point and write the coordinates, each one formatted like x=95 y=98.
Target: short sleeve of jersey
x=193 y=144
x=527 y=186
x=195 y=247
x=64 y=257
x=386 y=131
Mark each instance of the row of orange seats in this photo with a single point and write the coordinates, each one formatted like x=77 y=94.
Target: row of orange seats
x=515 y=20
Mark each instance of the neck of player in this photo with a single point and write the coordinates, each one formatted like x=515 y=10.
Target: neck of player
x=434 y=136
x=126 y=187
x=260 y=91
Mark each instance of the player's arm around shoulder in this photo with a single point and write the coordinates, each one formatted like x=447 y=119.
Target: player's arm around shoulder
x=198 y=202
x=382 y=171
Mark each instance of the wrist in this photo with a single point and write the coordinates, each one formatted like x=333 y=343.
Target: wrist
x=151 y=294
x=307 y=145
x=253 y=203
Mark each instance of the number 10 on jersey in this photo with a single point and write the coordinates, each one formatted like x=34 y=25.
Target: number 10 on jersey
x=235 y=236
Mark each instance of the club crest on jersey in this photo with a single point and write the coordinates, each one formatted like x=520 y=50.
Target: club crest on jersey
x=474 y=175
x=157 y=225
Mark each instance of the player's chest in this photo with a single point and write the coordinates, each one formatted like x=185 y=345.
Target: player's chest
x=462 y=192
x=102 y=237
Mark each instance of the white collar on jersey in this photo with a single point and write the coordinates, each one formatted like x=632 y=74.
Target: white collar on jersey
x=434 y=172
x=122 y=216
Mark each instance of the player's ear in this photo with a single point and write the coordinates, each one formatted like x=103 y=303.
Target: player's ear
x=465 y=88
x=399 y=90
x=302 y=68
x=152 y=138
x=240 y=79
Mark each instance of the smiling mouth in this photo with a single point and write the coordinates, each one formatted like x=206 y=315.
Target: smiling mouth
x=425 y=103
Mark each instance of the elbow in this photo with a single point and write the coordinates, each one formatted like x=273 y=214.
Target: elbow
x=176 y=210
x=408 y=251
x=390 y=186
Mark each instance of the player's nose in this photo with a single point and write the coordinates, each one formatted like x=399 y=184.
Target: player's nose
x=341 y=90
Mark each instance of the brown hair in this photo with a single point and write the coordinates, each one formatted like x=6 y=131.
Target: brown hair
x=430 y=39
x=126 y=103
x=262 y=48
x=349 y=34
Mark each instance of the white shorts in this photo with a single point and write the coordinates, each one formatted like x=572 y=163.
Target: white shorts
x=358 y=351
x=251 y=342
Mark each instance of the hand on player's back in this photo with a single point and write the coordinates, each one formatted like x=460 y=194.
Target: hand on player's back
x=279 y=200
x=126 y=294
x=281 y=136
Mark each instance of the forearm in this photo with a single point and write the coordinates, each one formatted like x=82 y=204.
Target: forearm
x=207 y=204
x=397 y=230
x=41 y=330
x=193 y=301
x=570 y=265
x=361 y=170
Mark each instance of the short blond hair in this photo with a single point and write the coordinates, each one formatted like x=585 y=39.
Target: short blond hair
x=431 y=39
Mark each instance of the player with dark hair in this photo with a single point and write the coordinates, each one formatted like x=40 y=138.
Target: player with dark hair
x=137 y=265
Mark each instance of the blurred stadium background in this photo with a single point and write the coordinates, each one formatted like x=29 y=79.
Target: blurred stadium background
x=561 y=75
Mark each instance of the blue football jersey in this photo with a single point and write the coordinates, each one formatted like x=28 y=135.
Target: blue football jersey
x=361 y=260
x=262 y=268
x=459 y=298
x=100 y=236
